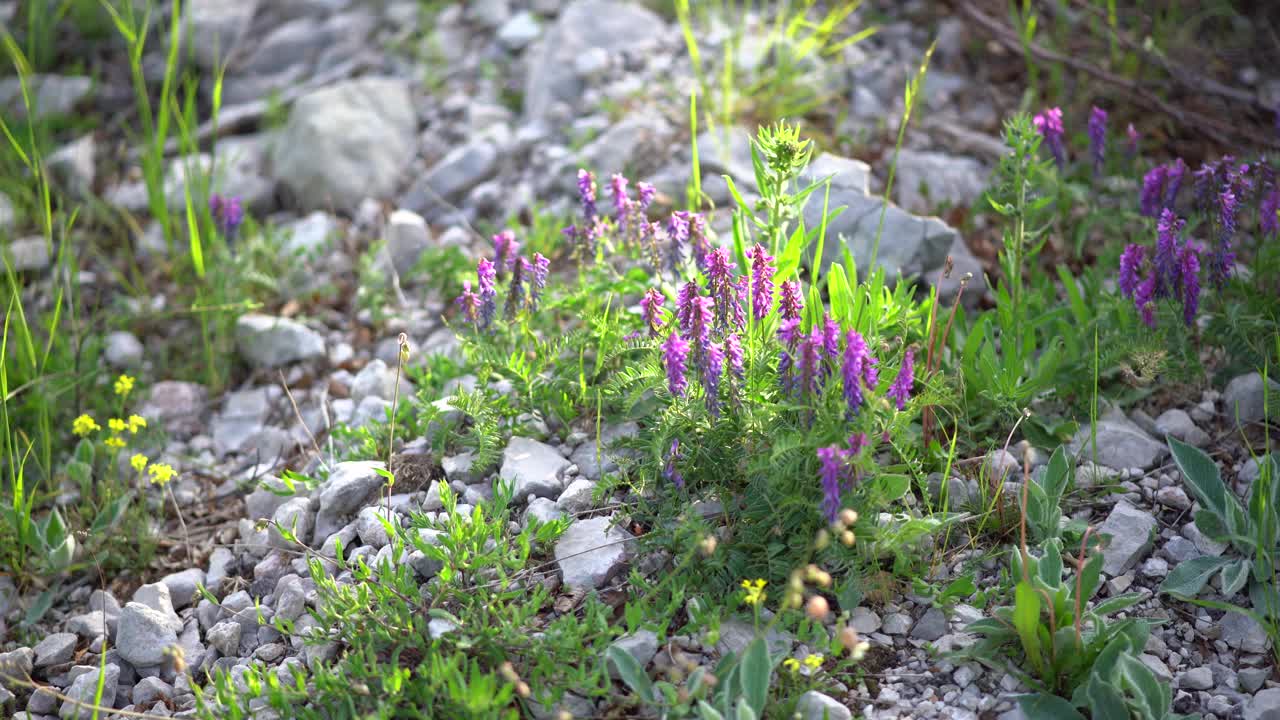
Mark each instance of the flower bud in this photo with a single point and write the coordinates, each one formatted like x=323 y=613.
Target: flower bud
x=823 y=540
x=847 y=538
x=817 y=608
x=848 y=637
x=708 y=545
x=522 y=689
x=848 y=517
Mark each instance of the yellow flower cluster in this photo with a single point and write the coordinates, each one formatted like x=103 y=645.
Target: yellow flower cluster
x=139 y=461
x=124 y=385
x=161 y=473
x=84 y=425
x=755 y=594
x=813 y=662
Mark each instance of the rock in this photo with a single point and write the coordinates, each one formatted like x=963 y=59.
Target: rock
x=1265 y=705
x=149 y=690
x=577 y=497
x=813 y=705
x=156 y=596
x=312 y=233
x=370 y=410
x=1243 y=398
x=1180 y=549
x=243 y=415
x=237 y=170
x=1251 y=679
x=50 y=94
x=896 y=624
x=427 y=567
x=632 y=145
x=1250 y=471
x=1156 y=666
x=55 y=649
x=8 y=216
x=909 y=244
x=369 y=526
x=1200 y=678
x=72 y=167
x=926 y=180
x=1243 y=633
x=931 y=626
x=407 y=238
x=1131 y=532
x=1203 y=543
x=144 y=635
x=736 y=635
x=225 y=637
x=346 y=142
x=1121 y=445
x=1179 y=424
x=295 y=517
x=448 y=180
x=519 y=30
x=175 y=406
x=123 y=350
x=28 y=254
x=379 y=381
x=591 y=552
x=213 y=28
x=84 y=691
x=864 y=620
x=349 y=487
x=533 y=468
x=17 y=664
x=270 y=342
x=641 y=645
x=1174 y=497
x=459 y=468
x=542 y=510
x=182 y=586
x=617 y=27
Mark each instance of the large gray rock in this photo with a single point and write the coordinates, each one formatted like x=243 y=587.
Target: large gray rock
x=1131 y=532
x=1263 y=706
x=346 y=142
x=144 y=635
x=1121 y=445
x=214 y=28
x=591 y=552
x=243 y=414
x=50 y=94
x=533 y=469
x=1243 y=398
x=584 y=25
x=349 y=488
x=909 y=244
x=72 y=167
x=55 y=649
x=379 y=381
x=1178 y=423
x=183 y=586
x=269 y=342
x=926 y=180
x=1243 y=633
x=407 y=238
x=123 y=350
x=84 y=690
x=448 y=180
x=813 y=705
x=28 y=254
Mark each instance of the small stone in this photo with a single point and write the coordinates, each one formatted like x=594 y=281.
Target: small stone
x=1243 y=633
x=1251 y=679
x=1200 y=678
x=1121 y=444
x=931 y=626
x=864 y=621
x=270 y=342
x=150 y=689
x=407 y=238
x=55 y=649
x=641 y=645
x=1265 y=705
x=459 y=468
x=577 y=497
x=123 y=350
x=349 y=487
x=225 y=637
x=1244 y=398
x=1155 y=567
x=1157 y=666
x=294 y=517
x=29 y=254
x=519 y=30
x=84 y=689
x=144 y=635
x=369 y=527
x=1131 y=531
x=542 y=510
x=814 y=705
x=591 y=552
x=1179 y=424
x=533 y=468
x=896 y=624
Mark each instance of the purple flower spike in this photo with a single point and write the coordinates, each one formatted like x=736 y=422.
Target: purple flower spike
x=621 y=203
x=854 y=368
x=762 y=290
x=900 y=390
x=488 y=292
x=646 y=192
x=1167 y=230
x=1189 y=271
x=790 y=304
x=719 y=268
x=470 y=303
x=587 y=193
x=812 y=369
x=1174 y=175
x=1134 y=137
x=832 y=460
x=505 y=249
x=1224 y=258
x=733 y=351
x=1153 y=191
x=675 y=351
x=1269 y=220
x=670 y=471
x=1130 y=263
x=541 y=266
x=227 y=213
x=1098 y=137
x=678 y=235
x=516 y=291
x=1049 y=125
x=857 y=441
x=1144 y=300
x=685 y=301
x=651 y=310
x=830 y=336
x=699 y=240
x=712 y=369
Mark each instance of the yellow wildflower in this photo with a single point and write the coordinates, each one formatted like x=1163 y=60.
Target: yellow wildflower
x=115 y=441
x=138 y=461
x=117 y=425
x=754 y=591
x=813 y=662
x=124 y=384
x=161 y=473
x=791 y=664
x=136 y=423
x=84 y=425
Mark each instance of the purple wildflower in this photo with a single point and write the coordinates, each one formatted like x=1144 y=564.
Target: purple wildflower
x=832 y=467
x=646 y=192
x=1098 y=137
x=853 y=369
x=1223 y=259
x=678 y=234
x=470 y=303
x=670 y=471
x=712 y=369
x=621 y=203
x=488 y=292
x=1143 y=300
x=227 y=213
x=1174 y=176
x=1269 y=220
x=830 y=335
x=857 y=441
x=790 y=304
x=733 y=351
x=900 y=390
x=1153 y=190
x=1133 y=135
x=812 y=370
x=1167 y=230
x=1205 y=180
x=1130 y=263
x=651 y=310
x=1189 y=271
x=699 y=241
x=541 y=266
x=685 y=300
x=505 y=249
x=1049 y=125
x=761 y=282
x=719 y=269
x=674 y=353
x=516 y=291
x=587 y=192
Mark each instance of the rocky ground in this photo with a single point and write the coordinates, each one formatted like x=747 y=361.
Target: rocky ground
x=418 y=134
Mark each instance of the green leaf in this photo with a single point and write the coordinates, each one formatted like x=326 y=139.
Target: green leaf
x=84 y=452
x=892 y=487
x=1091 y=578
x=1189 y=577
x=1235 y=575
x=754 y=674
x=743 y=710
x=1105 y=700
x=1116 y=604
x=80 y=472
x=1026 y=620
x=1043 y=706
x=630 y=671
x=706 y=712
x=1202 y=475
x=1051 y=563
x=1145 y=685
